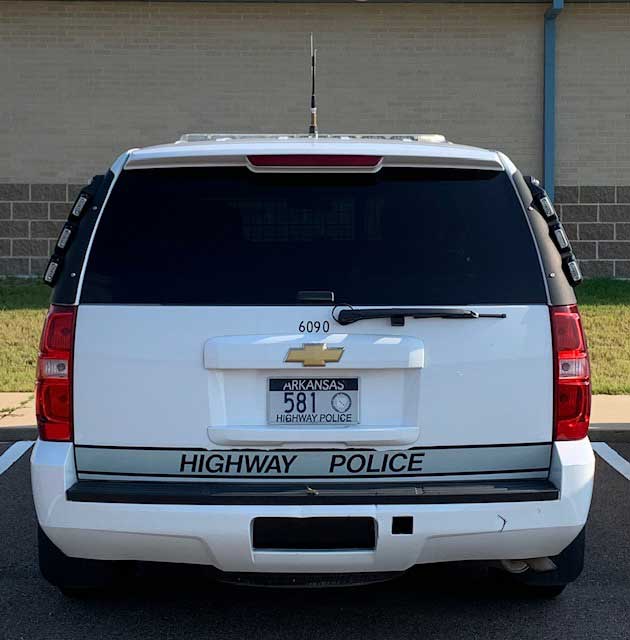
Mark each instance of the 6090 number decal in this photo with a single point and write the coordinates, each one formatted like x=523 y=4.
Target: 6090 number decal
x=314 y=326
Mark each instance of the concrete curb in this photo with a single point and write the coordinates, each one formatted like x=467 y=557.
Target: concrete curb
x=602 y=432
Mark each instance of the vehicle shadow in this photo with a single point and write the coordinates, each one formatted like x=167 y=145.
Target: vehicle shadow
x=451 y=601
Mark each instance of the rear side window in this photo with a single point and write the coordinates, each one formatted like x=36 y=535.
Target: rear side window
x=228 y=236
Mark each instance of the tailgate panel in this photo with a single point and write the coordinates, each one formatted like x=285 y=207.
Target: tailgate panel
x=170 y=376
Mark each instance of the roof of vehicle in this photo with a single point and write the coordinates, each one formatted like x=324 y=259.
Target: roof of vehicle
x=427 y=150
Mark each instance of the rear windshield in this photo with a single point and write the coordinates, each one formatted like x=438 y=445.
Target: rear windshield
x=228 y=236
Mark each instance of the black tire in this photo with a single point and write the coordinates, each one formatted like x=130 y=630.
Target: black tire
x=75 y=576
x=549 y=584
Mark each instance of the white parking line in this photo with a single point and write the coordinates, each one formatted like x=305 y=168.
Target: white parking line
x=14 y=453
x=612 y=458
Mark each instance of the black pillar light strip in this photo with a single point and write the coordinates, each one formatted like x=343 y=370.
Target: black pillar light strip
x=71 y=233
x=544 y=206
x=68 y=231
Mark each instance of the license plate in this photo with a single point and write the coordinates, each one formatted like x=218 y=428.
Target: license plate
x=321 y=401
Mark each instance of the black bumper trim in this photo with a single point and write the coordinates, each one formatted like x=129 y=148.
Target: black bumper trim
x=224 y=493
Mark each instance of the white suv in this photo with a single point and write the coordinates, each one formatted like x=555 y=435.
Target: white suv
x=289 y=357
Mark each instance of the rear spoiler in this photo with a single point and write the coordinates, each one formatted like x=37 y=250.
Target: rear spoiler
x=259 y=158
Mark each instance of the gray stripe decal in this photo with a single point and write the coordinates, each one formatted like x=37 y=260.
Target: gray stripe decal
x=312 y=464
x=490 y=477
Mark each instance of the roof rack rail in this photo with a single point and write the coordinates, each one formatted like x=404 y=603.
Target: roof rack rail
x=434 y=138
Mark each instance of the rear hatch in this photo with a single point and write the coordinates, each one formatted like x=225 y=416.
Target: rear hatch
x=213 y=336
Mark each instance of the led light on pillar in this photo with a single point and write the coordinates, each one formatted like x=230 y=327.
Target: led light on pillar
x=79 y=205
x=561 y=239
x=52 y=270
x=65 y=236
x=573 y=270
x=547 y=207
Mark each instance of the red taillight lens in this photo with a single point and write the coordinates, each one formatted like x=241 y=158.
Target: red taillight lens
x=53 y=392
x=59 y=329
x=572 y=375
x=314 y=160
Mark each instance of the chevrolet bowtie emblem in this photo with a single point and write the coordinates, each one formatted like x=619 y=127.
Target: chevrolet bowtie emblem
x=314 y=355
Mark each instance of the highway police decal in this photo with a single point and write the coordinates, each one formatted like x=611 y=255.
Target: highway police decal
x=301 y=464
x=202 y=464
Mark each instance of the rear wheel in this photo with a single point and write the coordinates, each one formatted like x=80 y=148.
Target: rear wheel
x=75 y=576
x=549 y=584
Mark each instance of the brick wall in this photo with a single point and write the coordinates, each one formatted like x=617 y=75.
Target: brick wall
x=31 y=216
x=597 y=221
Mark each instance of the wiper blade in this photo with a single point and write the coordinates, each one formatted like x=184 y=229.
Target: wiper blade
x=398 y=315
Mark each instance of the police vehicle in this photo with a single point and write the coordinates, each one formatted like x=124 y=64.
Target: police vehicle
x=301 y=359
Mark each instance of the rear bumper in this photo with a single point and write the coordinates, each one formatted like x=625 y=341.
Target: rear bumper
x=313 y=493
x=220 y=535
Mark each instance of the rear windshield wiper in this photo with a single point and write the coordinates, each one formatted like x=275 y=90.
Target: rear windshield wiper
x=398 y=315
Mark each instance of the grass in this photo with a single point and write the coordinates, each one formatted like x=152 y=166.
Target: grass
x=605 y=307
x=23 y=305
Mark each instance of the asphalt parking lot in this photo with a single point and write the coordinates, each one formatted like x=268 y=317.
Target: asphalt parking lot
x=451 y=602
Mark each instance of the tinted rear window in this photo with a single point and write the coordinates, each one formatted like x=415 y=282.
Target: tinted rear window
x=227 y=236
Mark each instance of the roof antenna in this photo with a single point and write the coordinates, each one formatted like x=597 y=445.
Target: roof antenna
x=312 y=129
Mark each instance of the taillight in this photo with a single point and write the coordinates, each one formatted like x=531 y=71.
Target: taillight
x=313 y=160
x=572 y=376
x=53 y=391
